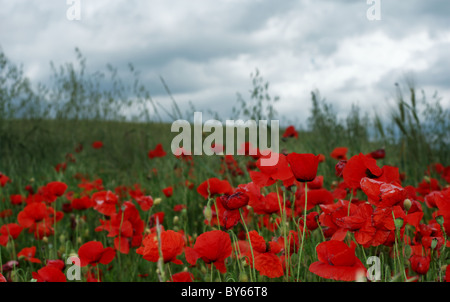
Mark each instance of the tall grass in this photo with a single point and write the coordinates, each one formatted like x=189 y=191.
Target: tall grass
x=77 y=105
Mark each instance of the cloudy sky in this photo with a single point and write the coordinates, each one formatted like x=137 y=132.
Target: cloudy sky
x=206 y=49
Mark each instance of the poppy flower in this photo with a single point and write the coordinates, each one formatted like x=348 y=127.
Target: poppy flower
x=214 y=186
x=420 y=264
x=304 y=166
x=4 y=179
x=315 y=197
x=358 y=167
x=337 y=261
x=339 y=168
x=105 y=202
x=172 y=244
x=16 y=199
x=82 y=203
x=92 y=253
x=290 y=132
x=28 y=254
x=182 y=277
x=377 y=154
x=234 y=201
x=56 y=188
x=168 y=191
x=59 y=264
x=12 y=230
x=267 y=263
x=211 y=247
x=271 y=173
x=39 y=219
x=49 y=274
x=157 y=152
x=382 y=194
x=97 y=144
x=339 y=153
x=2 y=278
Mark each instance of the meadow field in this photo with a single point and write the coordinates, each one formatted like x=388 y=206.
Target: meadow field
x=87 y=174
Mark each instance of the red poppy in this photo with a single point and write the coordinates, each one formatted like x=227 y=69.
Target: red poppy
x=28 y=254
x=211 y=247
x=358 y=167
x=59 y=264
x=39 y=219
x=267 y=263
x=290 y=132
x=182 y=277
x=270 y=174
x=82 y=203
x=377 y=154
x=105 y=202
x=420 y=259
x=157 y=152
x=315 y=197
x=339 y=153
x=172 y=244
x=92 y=253
x=4 y=179
x=97 y=144
x=214 y=186
x=16 y=199
x=168 y=191
x=55 y=188
x=234 y=201
x=304 y=166
x=2 y=278
x=337 y=261
x=382 y=194
x=12 y=230
x=49 y=274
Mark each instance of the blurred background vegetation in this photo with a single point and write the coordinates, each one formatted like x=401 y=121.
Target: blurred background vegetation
x=40 y=124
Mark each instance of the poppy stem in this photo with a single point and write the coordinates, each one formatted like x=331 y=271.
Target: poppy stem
x=250 y=243
x=303 y=232
x=350 y=203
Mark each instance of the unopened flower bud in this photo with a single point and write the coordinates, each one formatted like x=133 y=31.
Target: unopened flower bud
x=208 y=213
x=407 y=204
x=157 y=201
x=398 y=223
x=243 y=277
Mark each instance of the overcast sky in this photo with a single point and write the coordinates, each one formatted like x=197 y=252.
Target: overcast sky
x=206 y=49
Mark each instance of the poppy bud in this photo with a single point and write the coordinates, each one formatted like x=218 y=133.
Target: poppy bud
x=408 y=251
x=157 y=201
x=243 y=277
x=440 y=220
x=434 y=243
x=427 y=179
x=407 y=204
x=398 y=223
x=175 y=219
x=73 y=254
x=208 y=213
x=62 y=238
x=45 y=239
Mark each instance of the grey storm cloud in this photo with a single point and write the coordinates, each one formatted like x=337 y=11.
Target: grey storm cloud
x=205 y=50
